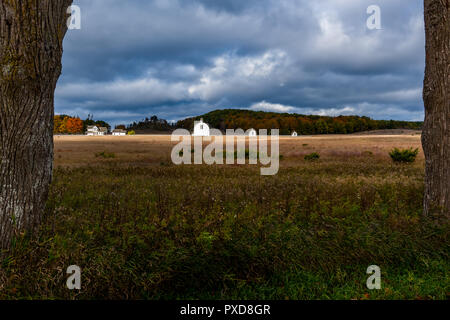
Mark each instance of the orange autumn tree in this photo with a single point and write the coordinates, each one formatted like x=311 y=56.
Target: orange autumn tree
x=58 y=125
x=74 y=125
x=63 y=124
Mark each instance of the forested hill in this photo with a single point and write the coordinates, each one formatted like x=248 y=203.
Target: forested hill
x=288 y=122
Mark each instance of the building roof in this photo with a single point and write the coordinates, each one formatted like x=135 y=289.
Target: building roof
x=119 y=131
x=102 y=129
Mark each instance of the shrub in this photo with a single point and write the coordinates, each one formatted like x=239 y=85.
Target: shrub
x=236 y=154
x=131 y=133
x=404 y=155
x=312 y=156
x=106 y=155
x=181 y=153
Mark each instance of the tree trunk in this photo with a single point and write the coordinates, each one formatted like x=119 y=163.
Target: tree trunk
x=31 y=36
x=436 y=95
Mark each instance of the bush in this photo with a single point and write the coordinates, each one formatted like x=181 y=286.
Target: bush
x=312 y=157
x=404 y=155
x=106 y=155
x=236 y=154
x=131 y=133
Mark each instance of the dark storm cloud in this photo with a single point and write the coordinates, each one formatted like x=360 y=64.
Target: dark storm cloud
x=177 y=58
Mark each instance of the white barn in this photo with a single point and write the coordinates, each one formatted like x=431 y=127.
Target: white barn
x=201 y=129
x=294 y=134
x=252 y=133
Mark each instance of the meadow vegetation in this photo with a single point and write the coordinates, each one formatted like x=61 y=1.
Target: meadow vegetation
x=404 y=155
x=142 y=228
x=312 y=156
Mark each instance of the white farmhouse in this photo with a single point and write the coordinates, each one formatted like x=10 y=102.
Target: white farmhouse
x=252 y=133
x=96 y=131
x=119 y=132
x=201 y=129
x=294 y=134
x=92 y=131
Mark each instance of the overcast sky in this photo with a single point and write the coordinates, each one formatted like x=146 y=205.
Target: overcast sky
x=181 y=58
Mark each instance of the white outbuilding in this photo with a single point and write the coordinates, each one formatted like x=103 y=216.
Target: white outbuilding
x=201 y=129
x=119 y=132
x=102 y=131
x=294 y=134
x=252 y=133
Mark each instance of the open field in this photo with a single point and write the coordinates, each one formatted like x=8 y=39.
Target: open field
x=147 y=150
x=143 y=228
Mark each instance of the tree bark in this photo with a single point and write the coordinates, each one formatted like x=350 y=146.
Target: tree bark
x=31 y=36
x=436 y=95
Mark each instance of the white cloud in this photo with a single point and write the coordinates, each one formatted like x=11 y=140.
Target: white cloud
x=273 y=107
x=332 y=112
x=232 y=73
x=276 y=107
x=332 y=35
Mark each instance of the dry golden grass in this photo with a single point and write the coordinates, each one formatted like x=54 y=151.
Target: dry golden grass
x=73 y=151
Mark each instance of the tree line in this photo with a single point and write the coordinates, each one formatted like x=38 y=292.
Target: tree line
x=245 y=119
x=288 y=122
x=152 y=124
x=65 y=124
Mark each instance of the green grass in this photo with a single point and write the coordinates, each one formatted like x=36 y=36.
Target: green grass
x=225 y=232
